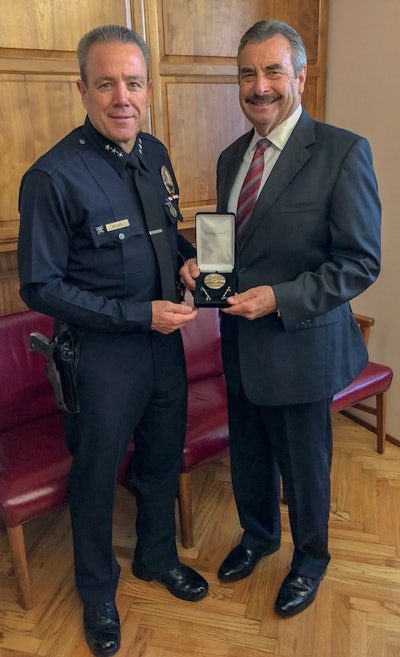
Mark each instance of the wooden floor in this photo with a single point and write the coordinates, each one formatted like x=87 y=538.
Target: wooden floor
x=356 y=613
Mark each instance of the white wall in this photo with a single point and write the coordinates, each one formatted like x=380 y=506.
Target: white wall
x=363 y=95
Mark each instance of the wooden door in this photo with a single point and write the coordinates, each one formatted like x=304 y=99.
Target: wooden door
x=194 y=110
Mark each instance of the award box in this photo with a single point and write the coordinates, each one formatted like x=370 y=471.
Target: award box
x=215 y=243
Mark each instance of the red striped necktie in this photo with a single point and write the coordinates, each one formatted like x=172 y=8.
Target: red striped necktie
x=249 y=191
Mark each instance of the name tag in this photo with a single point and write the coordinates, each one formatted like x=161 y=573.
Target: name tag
x=116 y=225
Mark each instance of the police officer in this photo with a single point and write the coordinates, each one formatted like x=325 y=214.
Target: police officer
x=99 y=251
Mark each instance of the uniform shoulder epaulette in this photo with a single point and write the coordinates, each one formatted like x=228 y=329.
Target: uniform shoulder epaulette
x=67 y=147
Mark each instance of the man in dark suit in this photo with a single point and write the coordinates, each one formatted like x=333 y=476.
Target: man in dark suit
x=289 y=340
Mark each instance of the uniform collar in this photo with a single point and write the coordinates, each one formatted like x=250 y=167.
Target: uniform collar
x=113 y=153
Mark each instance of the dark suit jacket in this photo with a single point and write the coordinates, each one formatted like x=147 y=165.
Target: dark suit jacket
x=314 y=236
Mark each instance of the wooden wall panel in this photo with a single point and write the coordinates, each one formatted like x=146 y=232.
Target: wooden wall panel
x=10 y=301
x=43 y=109
x=193 y=143
x=54 y=25
x=206 y=28
x=214 y=29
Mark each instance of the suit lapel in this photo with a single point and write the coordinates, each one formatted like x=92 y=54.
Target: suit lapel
x=228 y=171
x=292 y=159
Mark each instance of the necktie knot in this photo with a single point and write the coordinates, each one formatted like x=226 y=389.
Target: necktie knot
x=262 y=145
x=132 y=162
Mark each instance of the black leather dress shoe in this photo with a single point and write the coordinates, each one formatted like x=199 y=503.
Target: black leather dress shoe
x=183 y=582
x=296 y=594
x=241 y=562
x=102 y=628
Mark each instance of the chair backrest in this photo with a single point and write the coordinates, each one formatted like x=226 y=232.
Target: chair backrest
x=202 y=344
x=25 y=392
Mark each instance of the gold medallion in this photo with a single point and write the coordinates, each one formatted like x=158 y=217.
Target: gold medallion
x=214 y=281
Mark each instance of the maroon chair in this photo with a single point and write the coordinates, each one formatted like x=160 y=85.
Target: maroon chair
x=34 y=461
x=374 y=381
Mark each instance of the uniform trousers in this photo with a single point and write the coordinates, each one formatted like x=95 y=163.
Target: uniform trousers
x=127 y=383
x=293 y=442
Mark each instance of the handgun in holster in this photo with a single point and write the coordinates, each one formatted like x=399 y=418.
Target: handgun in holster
x=62 y=353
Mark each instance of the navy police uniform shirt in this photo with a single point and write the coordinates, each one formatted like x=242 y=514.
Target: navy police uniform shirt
x=85 y=254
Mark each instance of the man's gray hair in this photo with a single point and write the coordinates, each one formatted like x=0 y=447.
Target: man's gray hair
x=106 y=34
x=263 y=30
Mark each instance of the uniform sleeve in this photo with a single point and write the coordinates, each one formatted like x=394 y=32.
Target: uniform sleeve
x=43 y=251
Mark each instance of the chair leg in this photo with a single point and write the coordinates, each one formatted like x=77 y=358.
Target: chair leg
x=381 y=422
x=185 y=509
x=17 y=544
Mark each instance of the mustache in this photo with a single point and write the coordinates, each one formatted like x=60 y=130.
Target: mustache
x=265 y=98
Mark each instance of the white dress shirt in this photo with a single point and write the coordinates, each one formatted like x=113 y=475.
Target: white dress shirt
x=278 y=138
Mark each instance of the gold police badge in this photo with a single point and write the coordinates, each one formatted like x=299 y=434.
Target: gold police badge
x=167 y=180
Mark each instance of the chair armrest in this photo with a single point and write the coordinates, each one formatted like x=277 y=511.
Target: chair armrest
x=365 y=323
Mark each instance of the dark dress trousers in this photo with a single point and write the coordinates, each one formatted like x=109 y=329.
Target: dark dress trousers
x=314 y=236
x=86 y=258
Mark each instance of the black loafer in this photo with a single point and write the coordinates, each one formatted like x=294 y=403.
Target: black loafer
x=102 y=628
x=241 y=562
x=296 y=594
x=183 y=582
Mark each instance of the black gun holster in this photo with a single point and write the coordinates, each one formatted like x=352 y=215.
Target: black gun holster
x=66 y=357
x=62 y=353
